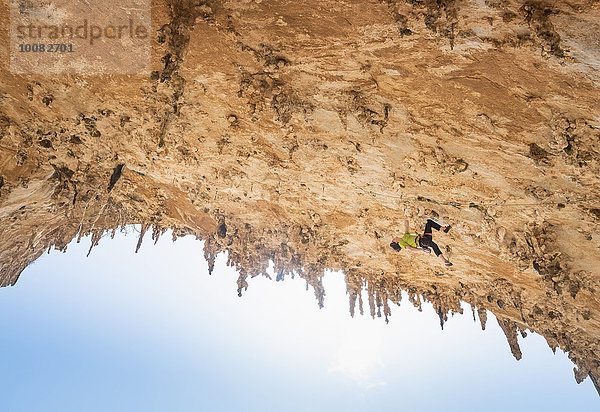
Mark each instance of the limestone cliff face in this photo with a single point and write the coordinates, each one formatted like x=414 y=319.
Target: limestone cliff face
x=304 y=132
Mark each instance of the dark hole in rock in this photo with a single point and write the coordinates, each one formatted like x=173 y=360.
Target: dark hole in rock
x=46 y=143
x=222 y=230
x=115 y=176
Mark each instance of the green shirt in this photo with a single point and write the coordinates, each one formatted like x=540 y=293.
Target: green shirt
x=408 y=240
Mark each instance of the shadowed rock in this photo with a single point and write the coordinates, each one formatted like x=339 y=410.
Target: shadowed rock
x=443 y=111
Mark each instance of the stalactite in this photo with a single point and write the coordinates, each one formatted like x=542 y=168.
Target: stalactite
x=157 y=232
x=141 y=238
x=352 y=297
x=482 y=313
x=594 y=380
x=386 y=310
x=96 y=236
x=510 y=330
x=360 y=304
x=242 y=283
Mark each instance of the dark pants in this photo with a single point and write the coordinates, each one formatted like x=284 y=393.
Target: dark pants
x=427 y=240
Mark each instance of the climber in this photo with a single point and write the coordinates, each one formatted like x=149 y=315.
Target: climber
x=421 y=243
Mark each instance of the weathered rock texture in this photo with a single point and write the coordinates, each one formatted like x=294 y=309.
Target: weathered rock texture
x=302 y=132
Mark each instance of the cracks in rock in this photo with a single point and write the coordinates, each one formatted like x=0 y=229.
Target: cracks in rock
x=89 y=122
x=400 y=19
x=537 y=15
x=286 y=103
x=4 y=125
x=258 y=88
x=576 y=140
x=270 y=57
x=436 y=161
x=538 y=154
x=184 y=16
x=441 y=18
x=64 y=176
x=366 y=113
x=266 y=89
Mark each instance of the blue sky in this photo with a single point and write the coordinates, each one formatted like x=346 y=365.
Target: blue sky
x=153 y=331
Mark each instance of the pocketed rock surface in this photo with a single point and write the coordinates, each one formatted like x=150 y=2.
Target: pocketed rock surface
x=305 y=132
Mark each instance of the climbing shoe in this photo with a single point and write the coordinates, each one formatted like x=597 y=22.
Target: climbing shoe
x=448 y=263
x=447 y=229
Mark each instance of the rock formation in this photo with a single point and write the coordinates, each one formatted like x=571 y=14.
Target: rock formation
x=304 y=132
